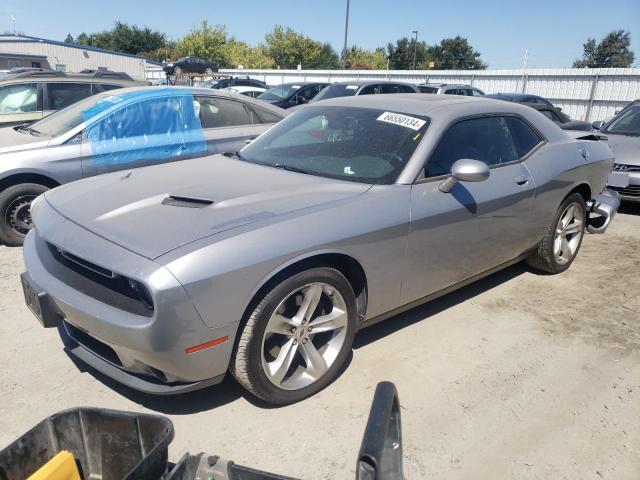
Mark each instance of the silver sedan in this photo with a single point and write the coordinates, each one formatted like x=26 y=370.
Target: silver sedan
x=116 y=130
x=266 y=262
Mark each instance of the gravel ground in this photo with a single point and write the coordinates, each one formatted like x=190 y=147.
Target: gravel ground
x=517 y=376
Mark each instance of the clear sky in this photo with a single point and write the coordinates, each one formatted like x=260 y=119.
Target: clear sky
x=552 y=30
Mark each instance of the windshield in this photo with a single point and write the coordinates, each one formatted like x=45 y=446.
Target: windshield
x=354 y=144
x=335 y=90
x=279 y=93
x=626 y=122
x=64 y=120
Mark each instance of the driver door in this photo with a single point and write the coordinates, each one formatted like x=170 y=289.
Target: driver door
x=477 y=226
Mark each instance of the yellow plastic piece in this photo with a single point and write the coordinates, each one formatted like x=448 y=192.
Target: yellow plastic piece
x=61 y=467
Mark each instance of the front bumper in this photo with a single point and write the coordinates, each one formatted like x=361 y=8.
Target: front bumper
x=601 y=209
x=144 y=352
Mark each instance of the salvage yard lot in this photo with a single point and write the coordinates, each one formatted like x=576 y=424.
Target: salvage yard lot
x=518 y=376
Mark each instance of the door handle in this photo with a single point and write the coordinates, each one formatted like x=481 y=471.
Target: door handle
x=522 y=180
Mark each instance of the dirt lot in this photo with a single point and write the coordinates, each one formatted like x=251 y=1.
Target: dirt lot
x=518 y=376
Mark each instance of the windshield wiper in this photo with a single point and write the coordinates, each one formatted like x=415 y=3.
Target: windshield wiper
x=289 y=168
x=32 y=131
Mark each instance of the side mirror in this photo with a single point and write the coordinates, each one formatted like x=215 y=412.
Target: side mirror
x=465 y=170
x=597 y=125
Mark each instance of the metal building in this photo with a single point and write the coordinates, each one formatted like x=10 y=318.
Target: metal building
x=26 y=51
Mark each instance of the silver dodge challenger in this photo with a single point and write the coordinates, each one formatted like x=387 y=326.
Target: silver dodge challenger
x=266 y=262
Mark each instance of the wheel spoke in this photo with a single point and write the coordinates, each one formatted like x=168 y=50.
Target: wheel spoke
x=309 y=302
x=280 y=366
x=575 y=227
x=334 y=320
x=566 y=248
x=316 y=366
x=280 y=324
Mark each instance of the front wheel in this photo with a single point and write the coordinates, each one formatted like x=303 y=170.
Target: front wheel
x=297 y=338
x=209 y=71
x=177 y=70
x=563 y=238
x=15 y=206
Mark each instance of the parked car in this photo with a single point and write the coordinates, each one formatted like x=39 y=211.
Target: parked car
x=291 y=94
x=238 y=82
x=31 y=95
x=563 y=120
x=363 y=87
x=118 y=130
x=266 y=262
x=450 y=89
x=252 y=92
x=623 y=135
x=520 y=98
x=190 y=65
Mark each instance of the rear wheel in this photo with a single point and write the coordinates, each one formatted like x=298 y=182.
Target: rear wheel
x=177 y=70
x=15 y=206
x=297 y=338
x=208 y=71
x=563 y=237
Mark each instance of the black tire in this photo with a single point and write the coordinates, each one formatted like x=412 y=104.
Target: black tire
x=208 y=71
x=177 y=70
x=544 y=258
x=15 y=221
x=246 y=363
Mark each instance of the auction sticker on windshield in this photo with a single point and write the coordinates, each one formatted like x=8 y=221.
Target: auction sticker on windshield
x=402 y=120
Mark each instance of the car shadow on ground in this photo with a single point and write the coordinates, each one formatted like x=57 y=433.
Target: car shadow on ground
x=426 y=310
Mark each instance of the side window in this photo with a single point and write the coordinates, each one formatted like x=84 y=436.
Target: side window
x=524 y=137
x=109 y=86
x=406 y=89
x=157 y=116
x=371 y=90
x=19 y=98
x=265 y=116
x=308 y=93
x=476 y=93
x=61 y=95
x=548 y=114
x=220 y=112
x=386 y=88
x=487 y=139
x=450 y=92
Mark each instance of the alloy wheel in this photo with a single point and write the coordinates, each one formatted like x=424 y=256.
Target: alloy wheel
x=569 y=231
x=304 y=336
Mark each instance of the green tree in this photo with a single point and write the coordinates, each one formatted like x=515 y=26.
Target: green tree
x=361 y=59
x=612 y=52
x=128 y=39
x=69 y=39
x=289 y=48
x=401 y=54
x=455 y=54
x=206 y=41
x=327 y=59
x=84 y=39
x=240 y=53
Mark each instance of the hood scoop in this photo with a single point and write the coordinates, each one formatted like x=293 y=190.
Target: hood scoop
x=186 y=202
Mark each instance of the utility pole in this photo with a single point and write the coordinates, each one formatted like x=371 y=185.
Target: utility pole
x=415 y=47
x=524 y=68
x=13 y=19
x=346 y=30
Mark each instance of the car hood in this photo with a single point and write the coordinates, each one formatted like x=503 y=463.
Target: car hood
x=154 y=210
x=625 y=148
x=12 y=140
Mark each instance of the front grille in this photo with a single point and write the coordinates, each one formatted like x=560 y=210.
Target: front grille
x=630 y=191
x=619 y=167
x=95 y=281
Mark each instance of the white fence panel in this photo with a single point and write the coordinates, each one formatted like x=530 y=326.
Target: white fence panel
x=585 y=94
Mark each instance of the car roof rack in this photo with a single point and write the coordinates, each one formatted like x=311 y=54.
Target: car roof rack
x=106 y=74
x=35 y=73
